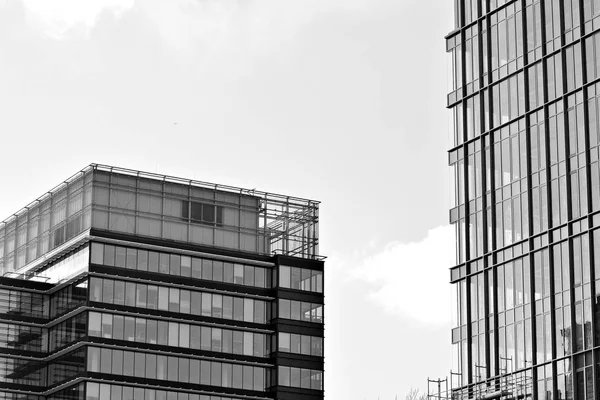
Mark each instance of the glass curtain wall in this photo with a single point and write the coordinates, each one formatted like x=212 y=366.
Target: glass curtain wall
x=47 y=223
x=524 y=78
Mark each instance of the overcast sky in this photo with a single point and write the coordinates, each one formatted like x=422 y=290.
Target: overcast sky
x=340 y=101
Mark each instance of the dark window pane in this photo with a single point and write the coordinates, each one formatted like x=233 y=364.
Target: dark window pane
x=208 y=213
x=196 y=211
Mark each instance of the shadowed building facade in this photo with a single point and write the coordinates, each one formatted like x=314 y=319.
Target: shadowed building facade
x=125 y=285
x=524 y=107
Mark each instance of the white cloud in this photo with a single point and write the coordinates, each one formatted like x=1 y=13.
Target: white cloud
x=54 y=18
x=412 y=279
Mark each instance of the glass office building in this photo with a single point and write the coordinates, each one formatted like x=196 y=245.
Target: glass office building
x=125 y=285
x=524 y=104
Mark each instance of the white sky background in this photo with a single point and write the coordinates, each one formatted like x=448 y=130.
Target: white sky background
x=336 y=100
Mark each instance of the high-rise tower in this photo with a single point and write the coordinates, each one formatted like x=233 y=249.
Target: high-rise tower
x=525 y=107
x=124 y=285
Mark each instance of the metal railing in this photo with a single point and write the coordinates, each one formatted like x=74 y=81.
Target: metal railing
x=512 y=386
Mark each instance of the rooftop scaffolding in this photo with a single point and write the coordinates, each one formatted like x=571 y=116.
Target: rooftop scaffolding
x=512 y=386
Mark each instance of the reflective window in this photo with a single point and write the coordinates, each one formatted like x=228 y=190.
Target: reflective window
x=177 y=369
x=199 y=303
x=300 y=344
x=197 y=268
x=300 y=311
x=300 y=279
x=176 y=334
x=300 y=377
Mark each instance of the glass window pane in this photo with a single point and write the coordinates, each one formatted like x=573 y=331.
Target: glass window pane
x=184 y=370
x=248 y=377
x=97 y=253
x=207 y=272
x=259 y=277
x=284 y=308
x=118 y=327
x=205 y=372
x=131 y=262
x=173 y=334
x=117 y=362
x=152 y=297
x=196 y=268
x=284 y=276
x=296 y=278
x=284 y=376
x=184 y=306
x=163 y=298
x=174 y=300
x=228 y=272
x=238 y=274
x=184 y=335
x=238 y=309
x=152 y=261
x=284 y=341
x=130 y=294
x=186 y=266
x=248 y=275
x=248 y=343
x=151 y=366
x=215 y=374
x=142 y=260
x=140 y=365
x=119 y=292
x=206 y=304
x=259 y=378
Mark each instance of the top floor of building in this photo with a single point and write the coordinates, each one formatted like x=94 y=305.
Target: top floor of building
x=109 y=199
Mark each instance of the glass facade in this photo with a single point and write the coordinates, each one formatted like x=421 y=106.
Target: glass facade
x=524 y=158
x=144 y=287
x=47 y=223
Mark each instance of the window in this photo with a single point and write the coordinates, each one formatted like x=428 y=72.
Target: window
x=178 y=265
x=301 y=311
x=300 y=377
x=300 y=279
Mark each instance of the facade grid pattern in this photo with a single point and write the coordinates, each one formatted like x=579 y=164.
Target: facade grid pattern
x=524 y=108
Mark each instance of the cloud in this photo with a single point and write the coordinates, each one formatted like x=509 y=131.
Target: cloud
x=412 y=279
x=55 y=18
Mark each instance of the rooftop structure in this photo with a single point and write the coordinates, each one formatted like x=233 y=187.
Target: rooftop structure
x=148 y=205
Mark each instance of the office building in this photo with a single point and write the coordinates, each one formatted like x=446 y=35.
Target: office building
x=125 y=285
x=524 y=106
